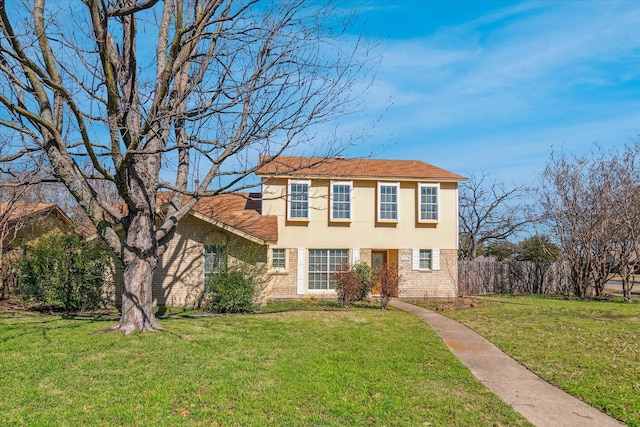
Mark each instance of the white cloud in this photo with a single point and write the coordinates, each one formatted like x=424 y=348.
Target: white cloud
x=535 y=63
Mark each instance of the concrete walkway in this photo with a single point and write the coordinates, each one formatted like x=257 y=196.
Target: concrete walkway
x=538 y=401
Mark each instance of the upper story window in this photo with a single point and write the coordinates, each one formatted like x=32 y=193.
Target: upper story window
x=299 y=200
x=341 y=201
x=388 y=194
x=428 y=202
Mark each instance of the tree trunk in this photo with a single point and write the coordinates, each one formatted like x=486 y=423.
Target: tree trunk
x=473 y=249
x=626 y=283
x=140 y=261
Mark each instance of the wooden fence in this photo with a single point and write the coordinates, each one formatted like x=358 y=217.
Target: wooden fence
x=480 y=277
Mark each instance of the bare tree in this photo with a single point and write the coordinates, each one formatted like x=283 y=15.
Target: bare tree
x=489 y=212
x=624 y=208
x=591 y=205
x=158 y=94
x=16 y=189
x=10 y=225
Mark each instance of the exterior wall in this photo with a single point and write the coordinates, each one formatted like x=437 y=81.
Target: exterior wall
x=179 y=277
x=283 y=283
x=364 y=233
x=320 y=232
x=440 y=284
x=414 y=284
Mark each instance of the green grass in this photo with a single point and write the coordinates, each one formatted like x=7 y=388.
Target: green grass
x=591 y=349
x=329 y=368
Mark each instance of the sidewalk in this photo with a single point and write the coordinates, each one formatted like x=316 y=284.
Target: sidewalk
x=538 y=401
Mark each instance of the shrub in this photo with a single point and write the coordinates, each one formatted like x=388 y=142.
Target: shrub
x=368 y=275
x=230 y=292
x=389 y=280
x=349 y=286
x=353 y=283
x=65 y=272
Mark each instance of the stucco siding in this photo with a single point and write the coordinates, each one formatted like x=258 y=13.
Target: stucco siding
x=365 y=232
x=320 y=232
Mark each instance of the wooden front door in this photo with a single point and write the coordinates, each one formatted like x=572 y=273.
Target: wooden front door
x=378 y=258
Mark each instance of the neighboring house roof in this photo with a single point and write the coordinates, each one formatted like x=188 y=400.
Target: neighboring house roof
x=27 y=221
x=340 y=167
x=13 y=212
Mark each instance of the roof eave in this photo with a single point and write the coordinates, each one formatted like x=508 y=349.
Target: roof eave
x=231 y=229
x=268 y=177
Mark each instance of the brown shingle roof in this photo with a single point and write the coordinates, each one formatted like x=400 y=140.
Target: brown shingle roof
x=236 y=212
x=23 y=210
x=354 y=168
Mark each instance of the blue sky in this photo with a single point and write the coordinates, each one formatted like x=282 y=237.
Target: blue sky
x=493 y=86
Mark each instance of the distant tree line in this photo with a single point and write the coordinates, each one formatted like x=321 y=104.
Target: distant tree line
x=589 y=207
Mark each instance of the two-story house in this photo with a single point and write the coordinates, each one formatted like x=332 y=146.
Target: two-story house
x=344 y=211
x=314 y=216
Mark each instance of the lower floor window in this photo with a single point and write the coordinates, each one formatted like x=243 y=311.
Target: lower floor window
x=278 y=259
x=215 y=260
x=323 y=263
x=425 y=259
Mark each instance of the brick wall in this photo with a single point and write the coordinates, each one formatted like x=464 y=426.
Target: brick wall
x=417 y=284
x=179 y=276
x=283 y=285
x=178 y=280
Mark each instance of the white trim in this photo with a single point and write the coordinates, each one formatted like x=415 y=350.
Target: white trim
x=435 y=259
x=348 y=183
x=300 y=282
x=329 y=264
x=308 y=184
x=457 y=219
x=355 y=252
x=415 y=259
x=378 y=201
x=286 y=261
x=422 y=185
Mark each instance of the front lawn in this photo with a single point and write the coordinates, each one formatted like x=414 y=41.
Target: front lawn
x=354 y=367
x=591 y=349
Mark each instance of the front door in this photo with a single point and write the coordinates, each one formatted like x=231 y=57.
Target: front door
x=378 y=258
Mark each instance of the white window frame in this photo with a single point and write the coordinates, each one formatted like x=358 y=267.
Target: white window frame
x=425 y=255
x=290 y=202
x=379 y=202
x=333 y=202
x=434 y=262
x=219 y=259
x=420 y=203
x=330 y=269
x=283 y=259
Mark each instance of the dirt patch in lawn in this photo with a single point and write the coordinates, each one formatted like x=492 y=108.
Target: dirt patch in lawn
x=11 y=304
x=460 y=303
